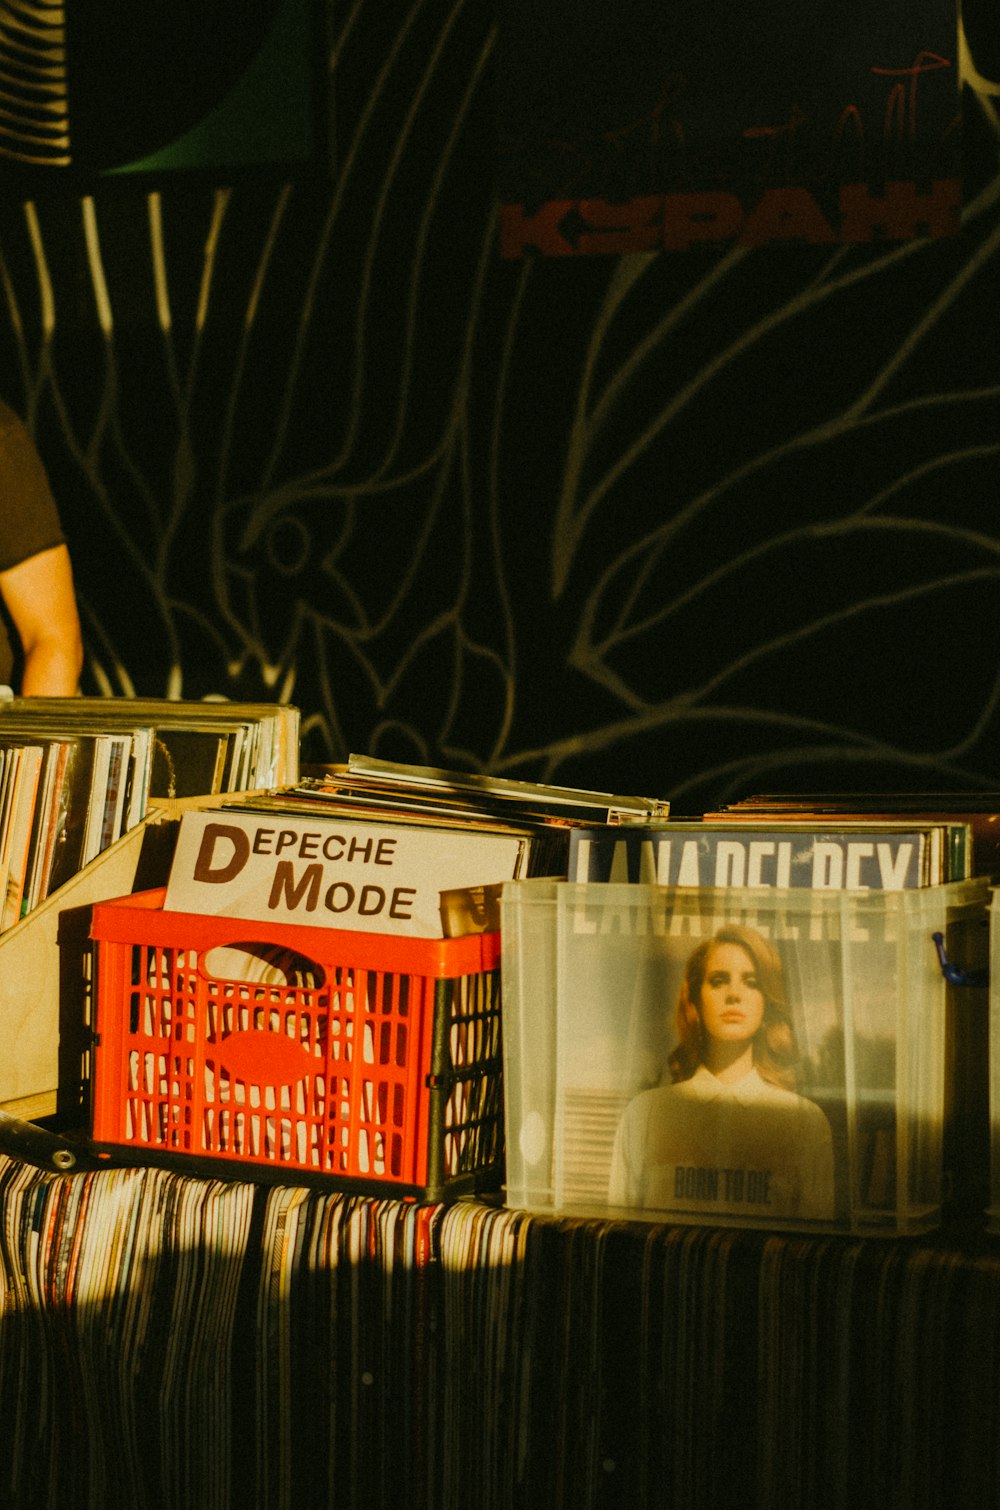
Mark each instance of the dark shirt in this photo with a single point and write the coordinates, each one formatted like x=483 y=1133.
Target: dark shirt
x=29 y=520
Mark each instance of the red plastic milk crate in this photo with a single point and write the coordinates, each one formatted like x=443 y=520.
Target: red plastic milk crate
x=365 y=1061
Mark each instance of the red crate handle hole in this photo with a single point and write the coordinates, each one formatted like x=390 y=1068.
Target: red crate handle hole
x=262 y=964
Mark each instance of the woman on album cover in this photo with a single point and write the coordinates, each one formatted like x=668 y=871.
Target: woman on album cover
x=730 y=1132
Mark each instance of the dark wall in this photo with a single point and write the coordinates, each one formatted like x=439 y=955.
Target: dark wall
x=690 y=523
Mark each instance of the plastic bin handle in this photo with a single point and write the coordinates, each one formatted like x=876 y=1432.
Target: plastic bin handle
x=954 y=973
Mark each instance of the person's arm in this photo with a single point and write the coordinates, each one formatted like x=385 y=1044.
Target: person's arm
x=41 y=600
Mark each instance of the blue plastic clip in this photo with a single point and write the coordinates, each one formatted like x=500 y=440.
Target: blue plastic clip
x=952 y=973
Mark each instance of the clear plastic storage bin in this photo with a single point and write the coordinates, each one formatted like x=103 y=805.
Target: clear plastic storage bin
x=763 y=1058
x=993 y=1213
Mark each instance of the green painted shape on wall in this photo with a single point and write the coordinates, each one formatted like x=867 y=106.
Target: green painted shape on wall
x=267 y=117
